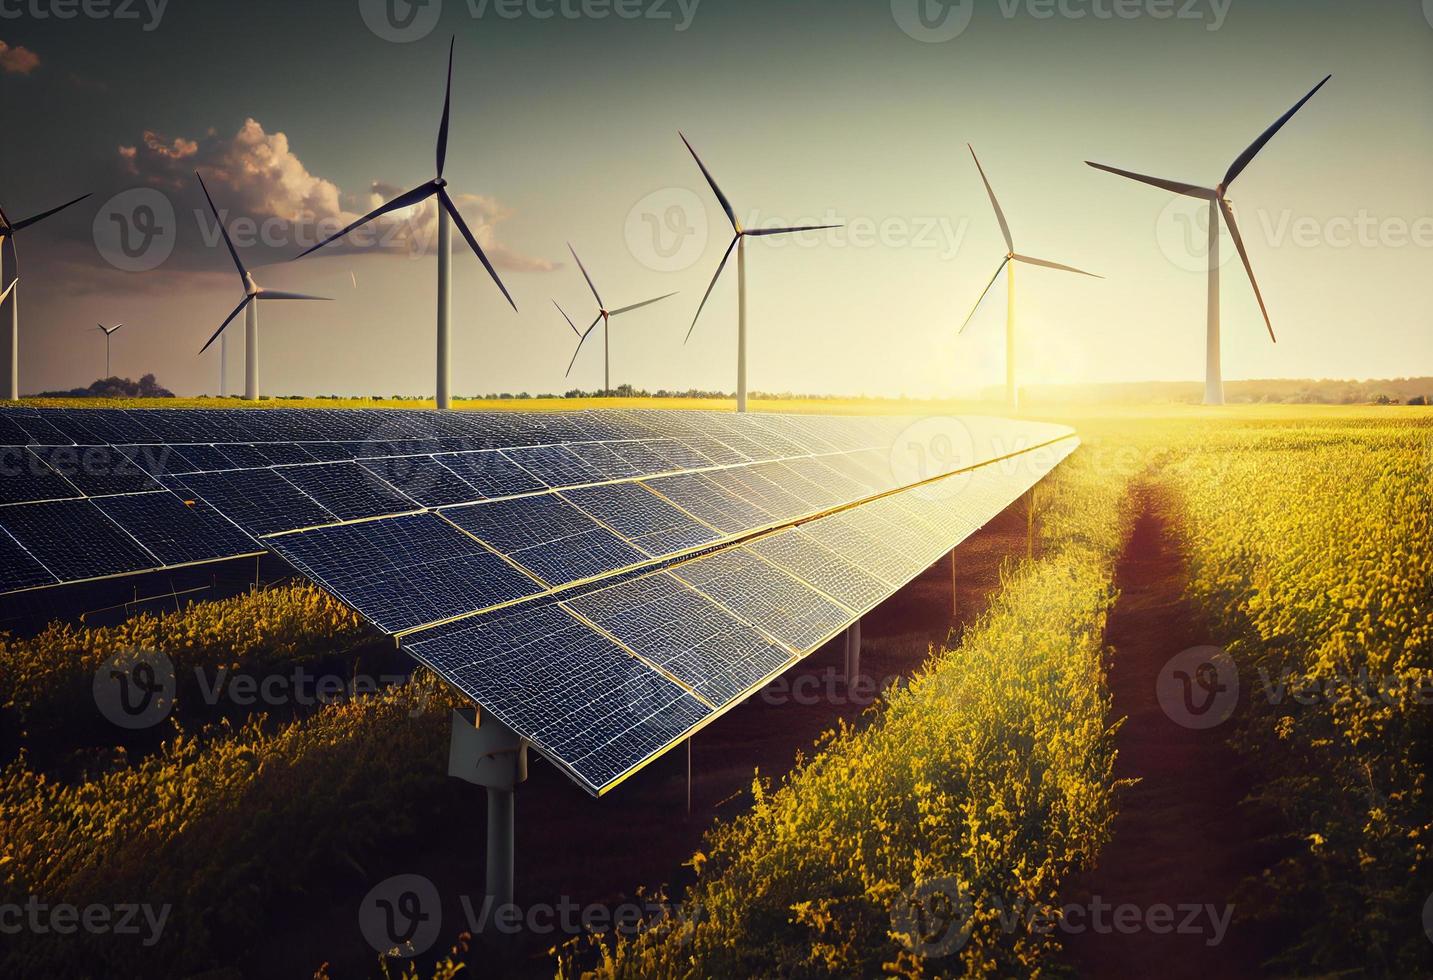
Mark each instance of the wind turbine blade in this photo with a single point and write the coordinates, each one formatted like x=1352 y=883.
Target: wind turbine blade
x=447 y=106
x=27 y=222
x=762 y=232
x=638 y=306
x=1054 y=265
x=584 y=273
x=725 y=204
x=582 y=339
x=8 y=290
x=999 y=214
x=227 y=320
x=1237 y=167
x=708 y=294
x=1248 y=267
x=447 y=202
x=567 y=318
x=1178 y=187
x=233 y=252
x=416 y=196
x=279 y=294
x=1003 y=263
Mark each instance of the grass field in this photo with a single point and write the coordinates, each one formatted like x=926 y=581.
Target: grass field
x=1301 y=540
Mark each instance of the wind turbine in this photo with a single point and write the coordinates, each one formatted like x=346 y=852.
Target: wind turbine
x=250 y=305
x=604 y=317
x=8 y=229
x=108 y=333
x=1219 y=204
x=738 y=242
x=1007 y=265
x=447 y=211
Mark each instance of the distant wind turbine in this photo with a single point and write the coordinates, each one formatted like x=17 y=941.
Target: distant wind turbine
x=250 y=305
x=1012 y=389
x=108 y=333
x=8 y=229
x=447 y=211
x=1219 y=204
x=738 y=242
x=604 y=317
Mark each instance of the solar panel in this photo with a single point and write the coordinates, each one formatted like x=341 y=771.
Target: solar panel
x=605 y=583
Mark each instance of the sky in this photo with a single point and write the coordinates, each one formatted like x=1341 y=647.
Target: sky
x=565 y=129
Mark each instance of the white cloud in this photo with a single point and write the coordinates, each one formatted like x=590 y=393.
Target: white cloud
x=17 y=60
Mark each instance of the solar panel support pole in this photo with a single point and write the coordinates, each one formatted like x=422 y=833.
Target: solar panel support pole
x=853 y=653
x=251 y=351
x=1213 y=375
x=491 y=755
x=741 y=324
x=445 y=309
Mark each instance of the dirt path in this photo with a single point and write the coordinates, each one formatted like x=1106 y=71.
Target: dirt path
x=1181 y=839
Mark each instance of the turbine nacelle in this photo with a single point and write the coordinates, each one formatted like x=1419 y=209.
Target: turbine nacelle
x=604 y=315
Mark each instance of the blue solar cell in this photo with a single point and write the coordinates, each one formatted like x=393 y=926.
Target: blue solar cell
x=714 y=505
x=575 y=694
x=761 y=594
x=41 y=431
x=74 y=540
x=259 y=501
x=548 y=536
x=555 y=466
x=25 y=477
x=423 y=479
x=201 y=458
x=643 y=518
x=11 y=434
x=404 y=572
x=752 y=487
x=175 y=533
x=347 y=490
x=18 y=568
x=607 y=463
x=838 y=576
x=96 y=470
x=683 y=632
x=491 y=474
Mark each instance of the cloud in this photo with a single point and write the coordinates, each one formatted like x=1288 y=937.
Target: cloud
x=17 y=60
x=255 y=175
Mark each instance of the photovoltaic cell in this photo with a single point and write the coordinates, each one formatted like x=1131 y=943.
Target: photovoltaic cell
x=761 y=594
x=837 y=576
x=404 y=572
x=556 y=466
x=347 y=490
x=74 y=540
x=176 y=533
x=96 y=470
x=702 y=497
x=643 y=518
x=422 y=479
x=18 y=568
x=548 y=536
x=669 y=624
x=24 y=477
x=575 y=694
x=259 y=501
x=491 y=474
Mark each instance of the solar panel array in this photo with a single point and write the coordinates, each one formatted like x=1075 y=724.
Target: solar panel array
x=605 y=583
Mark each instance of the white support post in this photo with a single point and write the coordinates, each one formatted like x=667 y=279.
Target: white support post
x=1012 y=392
x=445 y=309
x=606 y=355
x=853 y=653
x=251 y=352
x=741 y=324
x=1213 y=373
x=491 y=755
x=12 y=349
